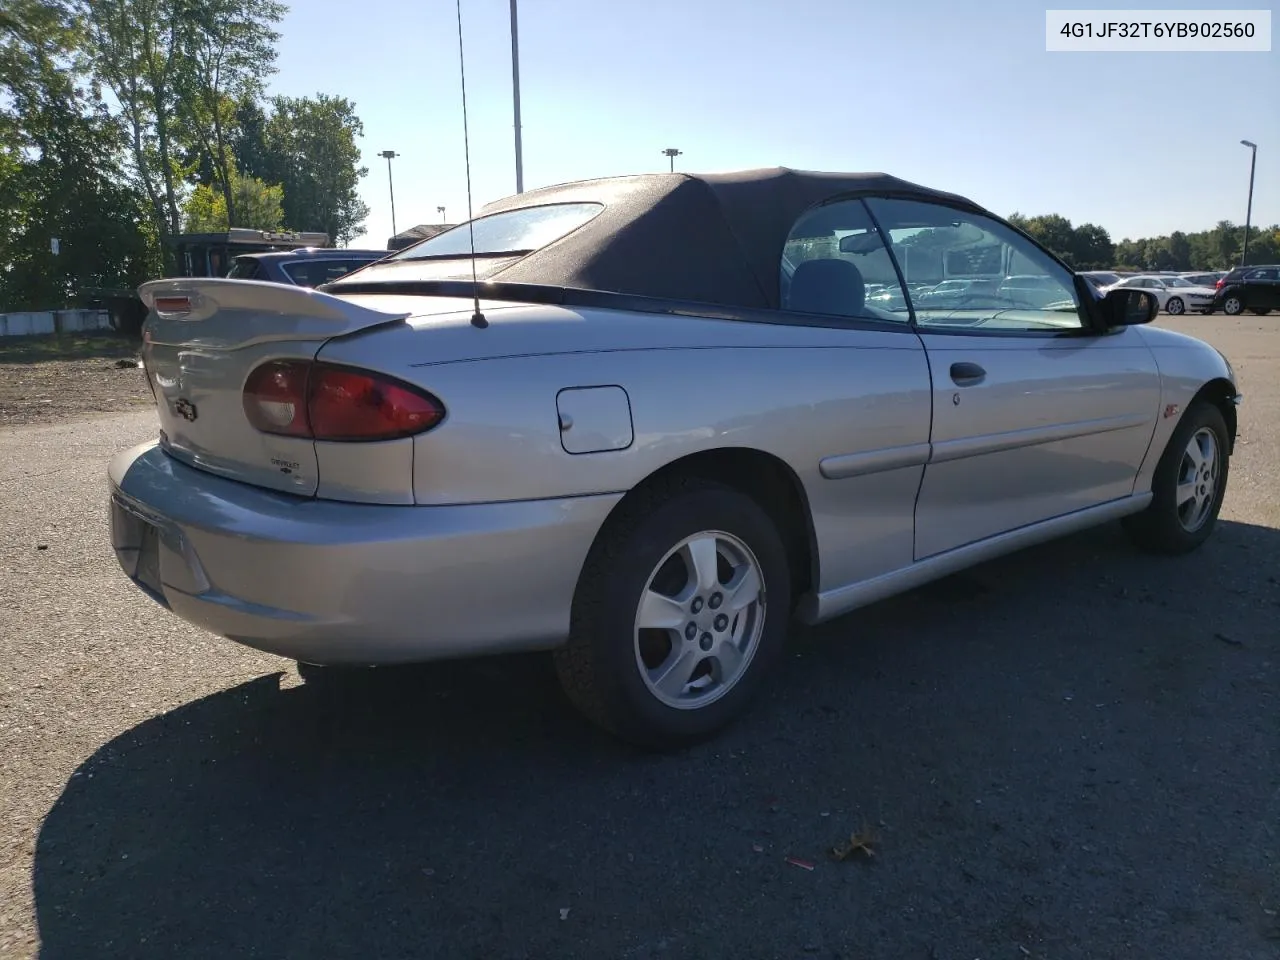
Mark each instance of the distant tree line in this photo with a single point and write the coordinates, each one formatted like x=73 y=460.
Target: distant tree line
x=125 y=122
x=1089 y=247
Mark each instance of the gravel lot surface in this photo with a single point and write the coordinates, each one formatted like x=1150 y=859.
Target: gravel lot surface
x=50 y=379
x=1069 y=753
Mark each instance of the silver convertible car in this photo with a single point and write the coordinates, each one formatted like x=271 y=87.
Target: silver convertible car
x=645 y=421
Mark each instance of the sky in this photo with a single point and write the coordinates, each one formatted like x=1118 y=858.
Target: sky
x=950 y=95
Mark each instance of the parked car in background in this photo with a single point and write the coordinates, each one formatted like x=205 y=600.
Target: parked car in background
x=1101 y=278
x=955 y=290
x=1206 y=279
x=1256 y=289
x=1032 y=289
x=307 y=267
x=666 y=421
x=1176 y=295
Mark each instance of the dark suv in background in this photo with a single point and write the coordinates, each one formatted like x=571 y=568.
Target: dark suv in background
x=1255 y=288
x=307 y=267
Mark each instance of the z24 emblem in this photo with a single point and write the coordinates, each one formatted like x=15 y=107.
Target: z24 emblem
x=185 y=409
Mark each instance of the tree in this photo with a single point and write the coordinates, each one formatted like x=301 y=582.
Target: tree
x=1054 y=232
x=59 y=171
x=248 y=140
x=136 y=47
x=229 y=48
x=1225 y=243
x=1091 y=248
x=310 y=149
x=256 y=205
x=136 y=50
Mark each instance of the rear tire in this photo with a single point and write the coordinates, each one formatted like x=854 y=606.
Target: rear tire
x=1188 y=486
x=1232 y=306
x=704 y=565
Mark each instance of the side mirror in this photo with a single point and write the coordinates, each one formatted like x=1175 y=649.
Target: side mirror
x=1127 y=307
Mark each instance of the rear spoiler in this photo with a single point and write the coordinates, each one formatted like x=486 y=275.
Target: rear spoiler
x=270 y=311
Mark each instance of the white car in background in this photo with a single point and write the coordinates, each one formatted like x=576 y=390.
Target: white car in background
x=1175 y=294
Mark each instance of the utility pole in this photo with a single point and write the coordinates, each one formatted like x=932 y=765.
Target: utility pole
x=515 y=96
x=389 y=154
x=1248 y=213
x=671 y=153
x=440 y=210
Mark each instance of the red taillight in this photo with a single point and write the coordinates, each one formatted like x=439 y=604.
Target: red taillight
x=355 y=405
x=275 y=398
x=297 y=398
x=1221 y=281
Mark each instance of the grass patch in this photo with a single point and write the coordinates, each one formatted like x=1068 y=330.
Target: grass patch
x=87 y=345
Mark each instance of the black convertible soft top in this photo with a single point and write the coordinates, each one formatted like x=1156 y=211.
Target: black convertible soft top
x=710 y=238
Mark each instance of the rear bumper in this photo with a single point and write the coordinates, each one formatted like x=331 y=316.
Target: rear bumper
x=332 y=582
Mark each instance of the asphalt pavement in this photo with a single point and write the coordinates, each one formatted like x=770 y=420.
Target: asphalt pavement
x=1073 y=752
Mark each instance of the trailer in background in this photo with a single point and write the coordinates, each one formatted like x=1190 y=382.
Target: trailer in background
x=196 y=255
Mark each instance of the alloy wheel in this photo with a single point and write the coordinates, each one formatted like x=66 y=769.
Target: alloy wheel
x=699 y=620
x=1197 y=480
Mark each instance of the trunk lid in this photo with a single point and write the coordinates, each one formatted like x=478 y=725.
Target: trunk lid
x=202 y=339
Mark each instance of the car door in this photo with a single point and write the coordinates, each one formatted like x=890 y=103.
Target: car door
x=1156 y=288
x=1034 y=415
x=1264 y=290
x=860 y=451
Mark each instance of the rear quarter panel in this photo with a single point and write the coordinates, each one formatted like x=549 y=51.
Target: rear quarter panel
x=799 y=393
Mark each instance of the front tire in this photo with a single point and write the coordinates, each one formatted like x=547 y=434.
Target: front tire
x=1188 y=486
x=680 y=614
x=1175 y=306
x=1261 y=313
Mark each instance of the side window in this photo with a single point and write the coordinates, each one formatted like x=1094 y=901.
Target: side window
x=835 y=263
x=1006 y=283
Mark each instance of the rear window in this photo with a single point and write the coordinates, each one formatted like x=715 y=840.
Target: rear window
x=312 y=273
x=244 y=268
x=511 y=232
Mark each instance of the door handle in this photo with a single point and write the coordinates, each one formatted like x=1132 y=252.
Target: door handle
x=967 y=374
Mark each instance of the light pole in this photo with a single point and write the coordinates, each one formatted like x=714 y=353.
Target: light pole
x=440 y=210
x=515 y=97
x=389 y=154
x=671 y=153
x=1248 y=213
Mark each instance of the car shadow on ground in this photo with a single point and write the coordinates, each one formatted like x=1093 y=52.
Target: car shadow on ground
x=1068 y=752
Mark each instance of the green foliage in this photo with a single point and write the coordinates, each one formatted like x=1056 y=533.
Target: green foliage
x=135 y=49
x=1216 y=249
x=186 y=143
x=255 y=205
x=228 y=50
x=1086 y=247
x=60 y=176
x=308 y=145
